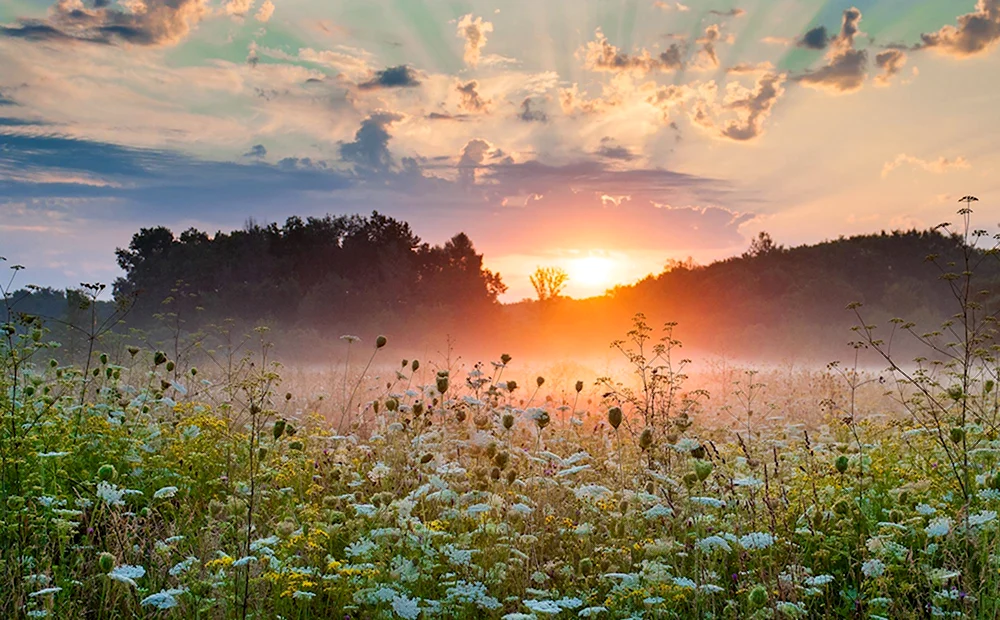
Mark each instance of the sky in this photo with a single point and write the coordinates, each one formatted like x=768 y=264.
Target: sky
x=604 y=137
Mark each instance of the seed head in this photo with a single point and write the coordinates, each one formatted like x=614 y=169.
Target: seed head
x=615 y=417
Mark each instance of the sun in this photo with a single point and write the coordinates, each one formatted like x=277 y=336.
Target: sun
x=591 y=272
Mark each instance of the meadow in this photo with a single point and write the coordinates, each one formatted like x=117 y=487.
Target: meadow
x=217 y=483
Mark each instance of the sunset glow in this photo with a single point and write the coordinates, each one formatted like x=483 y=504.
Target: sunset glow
x=592 y=273
x=652 y=129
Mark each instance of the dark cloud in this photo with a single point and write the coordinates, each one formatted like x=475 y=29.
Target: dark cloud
x=609 y=149
x=601 y=55
x=976 y=33
x=402 y=76
x=472 y=101
x=441 y=116
x=530 y=114
x=162 y=22
x=891 y=62
x=846 y=67
x=712 y=36
x=755 y=108
x=729 y=13
x=5 y=100
x=257 y=151
x=148 y=183
x=302 y=163
x=816 y=39
x=370 y=149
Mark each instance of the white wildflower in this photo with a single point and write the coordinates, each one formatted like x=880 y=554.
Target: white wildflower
x=708 y=501
x=110 y=494
x=925 y=510
x=711 y=543
x=127 y=573
x=164 y=599
x=873 y=568
x=405 y=607
x=756 y=540
x=938 y=527
x=165 y=493
x=45 y=592
x=542 y=607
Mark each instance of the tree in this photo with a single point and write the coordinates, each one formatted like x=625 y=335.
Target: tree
x=762 y=245
x=549 y=282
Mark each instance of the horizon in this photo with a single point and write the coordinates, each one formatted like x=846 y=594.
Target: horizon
x=619 y=139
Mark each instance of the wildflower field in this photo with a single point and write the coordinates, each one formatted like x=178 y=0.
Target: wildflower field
x=219 y=484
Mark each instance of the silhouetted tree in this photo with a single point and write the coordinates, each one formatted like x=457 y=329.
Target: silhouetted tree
x=549 y=282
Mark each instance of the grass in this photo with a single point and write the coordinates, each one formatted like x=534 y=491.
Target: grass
x=134 y=484
x=224 y=497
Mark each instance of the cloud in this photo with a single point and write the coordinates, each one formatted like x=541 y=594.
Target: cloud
x=257 y=151
x=976 y=33
x=891 y=62
x=265 y=12
x=472 y=101
x=531 y=114
x=754 y=107
x=143 y=22
x=370 y=148
x=746 y=67
x=937 y=166
x=474 y=32
x=238 y=8
x=816 y=39
x=729 y=13
x=473 y=155
x=402 y=76
x=601 y=55
x=609 y=149
x=670 y=6
x=846 y=67
x=443 y=116
x=777 y=40
x=707 y=56
x=5 y=100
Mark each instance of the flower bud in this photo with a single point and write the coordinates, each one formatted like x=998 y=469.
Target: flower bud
x=295 y=445
x=391 y=404
x=133 y=350
x=501 y=459
x=758 y=596
x=540 y=381
x=106 y=472
x=646 y=438
x=380 y=342
x=841 y=463
x=103 y=358
x=543 y=419
x=511 y=385
x=278 y=430
x=579 y=386
x=415 y=366
x=505 y=359
x=106 y=561
x=170 y=366
x=615 y=417
x=508 y=421
x=702 y=469
x=957 y=434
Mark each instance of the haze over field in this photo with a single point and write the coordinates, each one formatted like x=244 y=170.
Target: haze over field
x=600 y=137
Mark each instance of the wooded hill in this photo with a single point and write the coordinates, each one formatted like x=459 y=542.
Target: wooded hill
x=316 y=279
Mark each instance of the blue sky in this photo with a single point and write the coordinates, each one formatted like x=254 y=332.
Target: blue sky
x=602 y=136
